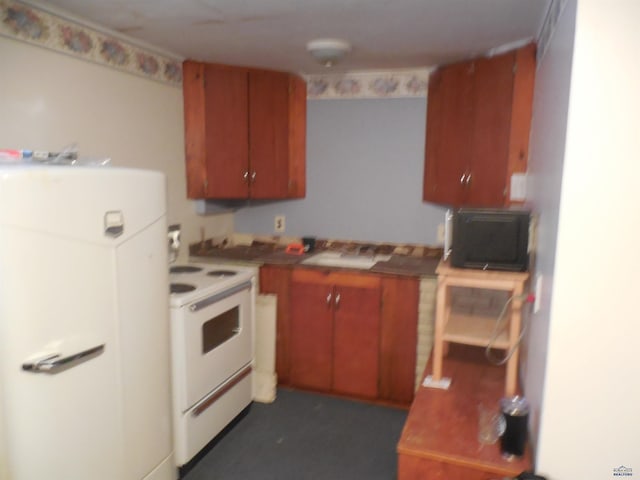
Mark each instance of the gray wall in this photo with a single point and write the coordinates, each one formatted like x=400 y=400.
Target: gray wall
x=364 y=176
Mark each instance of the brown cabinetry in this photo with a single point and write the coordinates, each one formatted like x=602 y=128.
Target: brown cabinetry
x=244 y=132
x=398 y=338
x=345 y=332
x=478 y=121
x=335 y=331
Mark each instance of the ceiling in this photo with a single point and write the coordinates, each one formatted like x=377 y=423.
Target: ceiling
x=384 y=34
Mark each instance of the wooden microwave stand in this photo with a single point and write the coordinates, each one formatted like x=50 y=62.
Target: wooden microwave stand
x=440 y=437
x=469 y=330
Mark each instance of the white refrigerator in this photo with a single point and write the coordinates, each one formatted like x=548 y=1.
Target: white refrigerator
x=84 y=327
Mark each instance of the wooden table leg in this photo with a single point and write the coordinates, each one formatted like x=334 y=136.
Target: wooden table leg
x=441 y=307
x=514 y=334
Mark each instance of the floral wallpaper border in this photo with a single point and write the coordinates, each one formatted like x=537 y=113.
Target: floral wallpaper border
x=36 y=26
x=392 y=84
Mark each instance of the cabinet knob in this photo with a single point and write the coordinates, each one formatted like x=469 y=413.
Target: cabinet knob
x=337 y=302
x=329 y=298
x=462 y=178
x=245 y=175
x=468 y=181
x=253 y=176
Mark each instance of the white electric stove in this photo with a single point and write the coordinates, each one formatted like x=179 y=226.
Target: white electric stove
x=212 y=322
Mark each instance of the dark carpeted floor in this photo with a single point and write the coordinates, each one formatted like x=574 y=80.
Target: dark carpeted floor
x=305 y=436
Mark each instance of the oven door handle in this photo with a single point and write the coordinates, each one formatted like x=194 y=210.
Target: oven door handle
x=194 y=307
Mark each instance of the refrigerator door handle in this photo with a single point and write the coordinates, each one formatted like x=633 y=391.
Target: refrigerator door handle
x=56 y=363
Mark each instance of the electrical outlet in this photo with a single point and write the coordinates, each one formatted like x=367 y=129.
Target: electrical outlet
x=278 y=224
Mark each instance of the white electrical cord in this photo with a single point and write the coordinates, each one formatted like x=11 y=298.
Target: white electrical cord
x=496 y=332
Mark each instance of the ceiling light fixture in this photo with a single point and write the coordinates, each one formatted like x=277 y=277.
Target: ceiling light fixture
x=328 y=51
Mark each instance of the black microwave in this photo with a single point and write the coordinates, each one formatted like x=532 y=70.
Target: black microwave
x=488 y=239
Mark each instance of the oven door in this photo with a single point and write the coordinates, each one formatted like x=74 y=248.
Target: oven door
x=217 y=341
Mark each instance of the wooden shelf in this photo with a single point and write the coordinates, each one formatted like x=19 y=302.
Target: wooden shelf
x=451 y=327
x=474 y=330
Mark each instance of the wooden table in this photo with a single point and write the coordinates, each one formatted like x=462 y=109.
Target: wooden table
x=439 y=439
x=477 y=331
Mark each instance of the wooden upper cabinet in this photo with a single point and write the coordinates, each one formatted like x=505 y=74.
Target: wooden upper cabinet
x=245 y=132
x=226 y=139
x=478 y=121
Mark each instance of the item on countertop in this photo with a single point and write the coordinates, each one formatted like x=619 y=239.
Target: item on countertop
x=309 y=244
x=295 y=249
x=68 y=156
x=174 y=241
x=515 y=411
x=490 y=424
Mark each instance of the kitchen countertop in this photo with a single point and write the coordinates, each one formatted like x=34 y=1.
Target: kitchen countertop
x=267 y=254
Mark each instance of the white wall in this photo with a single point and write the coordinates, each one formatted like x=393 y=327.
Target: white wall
x=589 y=421
x=49 y=100
x=546 y=161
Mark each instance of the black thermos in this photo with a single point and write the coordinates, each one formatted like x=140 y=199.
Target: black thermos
x=515 y=411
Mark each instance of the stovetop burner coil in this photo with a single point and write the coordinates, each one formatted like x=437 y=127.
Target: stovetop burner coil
x=184 y=269
x=181 y=288
x=221 y=273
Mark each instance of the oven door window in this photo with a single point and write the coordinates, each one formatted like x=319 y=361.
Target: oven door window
x=220 y=328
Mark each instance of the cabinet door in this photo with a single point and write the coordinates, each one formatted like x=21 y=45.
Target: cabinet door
x=277 y=280
x=398 y=338
x=311 y=334
x=356 y=340
x=226 y=120
x=194 y=128
x=492 y=99
x=448 y=148
x=269 y=134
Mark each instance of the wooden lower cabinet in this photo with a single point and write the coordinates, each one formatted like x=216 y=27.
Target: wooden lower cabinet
x=345 y=332
x=335 y=332
x=399 y=338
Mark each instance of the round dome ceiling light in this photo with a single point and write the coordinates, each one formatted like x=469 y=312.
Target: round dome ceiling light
x=328 y=51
